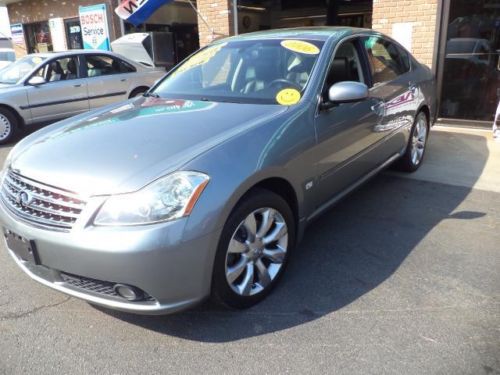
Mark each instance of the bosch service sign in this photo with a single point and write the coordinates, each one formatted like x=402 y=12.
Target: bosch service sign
x=95 y=31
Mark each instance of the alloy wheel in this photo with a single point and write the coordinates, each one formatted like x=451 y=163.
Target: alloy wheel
x=5 y=127
x=256 y=251
x=419 y=139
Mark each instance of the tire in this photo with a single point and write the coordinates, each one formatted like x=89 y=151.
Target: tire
x=9 y=125
x=239 y=249
x=415 y=150
x=137 y=92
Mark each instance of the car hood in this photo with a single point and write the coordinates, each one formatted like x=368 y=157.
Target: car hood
x=128 y=146
x=4 y=87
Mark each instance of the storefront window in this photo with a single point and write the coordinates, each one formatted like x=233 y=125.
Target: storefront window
x=38 y=37
x=471 y=70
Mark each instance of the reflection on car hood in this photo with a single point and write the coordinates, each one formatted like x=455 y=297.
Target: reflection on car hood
x=5 y=86
x=122 y=149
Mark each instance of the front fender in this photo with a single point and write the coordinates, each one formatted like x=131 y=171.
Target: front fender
x=17 y=101
x=272 y=150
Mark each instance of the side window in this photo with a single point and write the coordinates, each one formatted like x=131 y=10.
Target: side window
x=102 y=65
x=59 y=70
x=125 y=67
x=404 y=58
x=345 y=66
x=386 y=60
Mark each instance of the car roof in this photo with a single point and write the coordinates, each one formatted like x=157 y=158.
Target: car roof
x=321 y=33
x=72 y=52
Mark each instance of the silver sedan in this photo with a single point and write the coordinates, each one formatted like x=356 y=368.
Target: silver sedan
x=204 y=186
x=47 y=87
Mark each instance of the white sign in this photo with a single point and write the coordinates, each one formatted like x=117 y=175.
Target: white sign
x=58 y=34
x=403 y=33
x=95 y=31
x=17 y=34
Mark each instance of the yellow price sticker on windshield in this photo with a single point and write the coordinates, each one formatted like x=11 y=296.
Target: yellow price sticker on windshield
x=288 y=97
x=300 y=46
x=36 y=60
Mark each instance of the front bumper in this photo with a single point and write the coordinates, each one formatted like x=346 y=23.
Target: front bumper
x=174 y=274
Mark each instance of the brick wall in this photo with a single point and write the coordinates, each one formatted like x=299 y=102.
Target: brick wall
x=219 y=17
x=422 y=16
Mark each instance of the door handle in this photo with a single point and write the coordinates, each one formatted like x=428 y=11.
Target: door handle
x=123 y=80
x=78 y=85
x=412 y=86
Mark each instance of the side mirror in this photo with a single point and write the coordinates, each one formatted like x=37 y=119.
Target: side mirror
x=36 y=81
x=346 y=92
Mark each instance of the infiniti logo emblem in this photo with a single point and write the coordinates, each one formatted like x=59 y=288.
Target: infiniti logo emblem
x=24 y=199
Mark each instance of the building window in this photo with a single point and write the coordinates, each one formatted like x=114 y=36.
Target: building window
x=73 y=33
x=471 y=69
x=38 y=37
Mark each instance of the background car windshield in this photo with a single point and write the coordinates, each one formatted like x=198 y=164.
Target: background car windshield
x=252 y=71
x=15 y=71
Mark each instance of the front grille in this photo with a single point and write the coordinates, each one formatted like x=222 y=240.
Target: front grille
x=42 y=205
x=104 y=288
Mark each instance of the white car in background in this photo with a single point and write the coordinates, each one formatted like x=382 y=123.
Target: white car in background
x=47 y=87
x=7 y=57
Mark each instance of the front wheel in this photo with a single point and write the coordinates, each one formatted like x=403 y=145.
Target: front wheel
x=8 y=125
x=253 y=250
x=415 y=151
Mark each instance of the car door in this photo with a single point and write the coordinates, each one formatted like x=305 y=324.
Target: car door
x=63 y=92
x=108 y=79
x=344 y=131
x=392 y=82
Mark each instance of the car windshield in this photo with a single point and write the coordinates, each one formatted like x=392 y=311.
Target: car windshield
x=250 y=71
x=17 y=70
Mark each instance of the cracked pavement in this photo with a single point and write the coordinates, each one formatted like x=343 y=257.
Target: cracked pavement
x=401 y=277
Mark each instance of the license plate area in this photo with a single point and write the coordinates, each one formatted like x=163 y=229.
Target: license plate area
x=22 y=247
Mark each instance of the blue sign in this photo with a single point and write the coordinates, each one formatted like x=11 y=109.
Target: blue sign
x=137 y=12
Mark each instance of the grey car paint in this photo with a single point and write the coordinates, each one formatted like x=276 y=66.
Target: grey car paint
x=57 y=100
x=318 y=155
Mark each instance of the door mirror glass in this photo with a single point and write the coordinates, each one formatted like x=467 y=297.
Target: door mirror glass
x=36 y=81
x=347 y=92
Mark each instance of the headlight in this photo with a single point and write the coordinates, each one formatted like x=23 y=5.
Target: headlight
x=167 y=198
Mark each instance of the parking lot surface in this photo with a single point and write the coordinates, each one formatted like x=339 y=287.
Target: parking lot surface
x=401 y=277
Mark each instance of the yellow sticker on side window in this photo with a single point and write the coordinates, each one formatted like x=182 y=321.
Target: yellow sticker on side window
x=288 y=97
x=300 y=46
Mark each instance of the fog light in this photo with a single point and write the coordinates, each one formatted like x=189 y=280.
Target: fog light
x=128 y=292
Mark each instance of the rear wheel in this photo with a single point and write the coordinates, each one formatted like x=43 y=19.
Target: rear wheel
x=253 y=250
x=415 y=151
x=8 y=125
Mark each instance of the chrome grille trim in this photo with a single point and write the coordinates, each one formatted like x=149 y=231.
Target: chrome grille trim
x=50 y=207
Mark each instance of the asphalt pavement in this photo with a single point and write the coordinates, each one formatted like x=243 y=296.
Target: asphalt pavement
x=401 y=277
